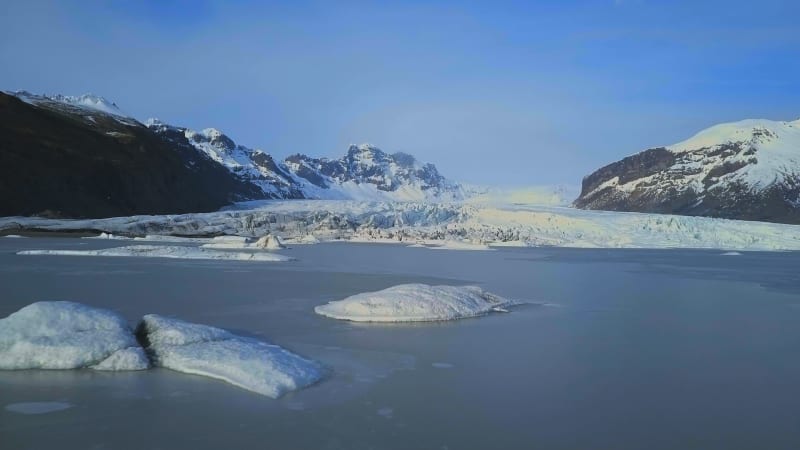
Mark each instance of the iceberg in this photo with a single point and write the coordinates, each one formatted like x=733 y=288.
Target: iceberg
x=248 y=363
x=267 y=242
x=68 y=335
x=415 y=303
x=164 y=251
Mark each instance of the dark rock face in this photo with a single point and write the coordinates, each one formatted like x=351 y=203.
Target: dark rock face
x=710 y=180
x=69 y=162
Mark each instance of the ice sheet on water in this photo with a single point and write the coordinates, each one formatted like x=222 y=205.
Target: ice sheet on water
x=164 y=251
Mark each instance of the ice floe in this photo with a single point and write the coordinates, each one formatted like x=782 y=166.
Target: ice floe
x=165 y=251
x=111 y=236
x=213 y=352
x=68 y=335
x=267 y=242
x=37 y=407
x=415 y=303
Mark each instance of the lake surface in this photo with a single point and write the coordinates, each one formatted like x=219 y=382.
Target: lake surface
x=621 y=349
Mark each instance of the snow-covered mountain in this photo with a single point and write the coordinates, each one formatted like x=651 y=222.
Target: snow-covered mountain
x=743 y=170
x=365 y=172
x=89 y=158
x=82 y=104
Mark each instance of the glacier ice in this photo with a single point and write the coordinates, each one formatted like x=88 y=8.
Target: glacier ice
x=520 y=225
x=68 y=335
x=415 y=303
x=164 y=251
x=213 y=352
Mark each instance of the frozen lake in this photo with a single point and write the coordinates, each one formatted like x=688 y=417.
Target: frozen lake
x=657 y=349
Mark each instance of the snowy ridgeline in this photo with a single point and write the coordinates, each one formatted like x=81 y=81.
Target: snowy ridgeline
x=309 y=221
x=67 y=335
x=415 y=303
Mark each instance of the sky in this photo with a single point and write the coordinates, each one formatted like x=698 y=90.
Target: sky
x=515 y=93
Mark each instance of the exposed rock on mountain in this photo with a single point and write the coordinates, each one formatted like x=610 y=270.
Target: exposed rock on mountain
x=64 y=158
x=744 y=170
x=83 y=157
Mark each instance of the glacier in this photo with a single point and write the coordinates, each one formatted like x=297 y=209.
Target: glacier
x=68 y=335
x=248 y=363
x=415 y=303
x=299 y=221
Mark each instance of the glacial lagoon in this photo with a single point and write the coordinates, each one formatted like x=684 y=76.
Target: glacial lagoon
x=657 y=349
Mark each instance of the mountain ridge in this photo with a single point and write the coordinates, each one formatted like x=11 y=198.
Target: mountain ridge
x=748 y=170
x=105 y=143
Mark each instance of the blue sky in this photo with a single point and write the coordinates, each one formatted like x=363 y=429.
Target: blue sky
x=507 y=93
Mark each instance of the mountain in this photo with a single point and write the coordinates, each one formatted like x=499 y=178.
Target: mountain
x=746 y=170
x=364 y=173
x=84 y=157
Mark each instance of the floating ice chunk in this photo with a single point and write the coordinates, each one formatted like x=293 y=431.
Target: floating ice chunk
x=415 y=303
x=213 y=352
x=37 y=407
x=15 y=236
x=268 y=242
x=731 y=254
x=307 y=239
x=159 y=251
x=450 y=244
x=68 y=335
x=105 y=235
x=442 y=365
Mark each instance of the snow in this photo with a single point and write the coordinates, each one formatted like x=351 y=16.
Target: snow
x=86 y=101
x=212 y=352
x=356 y=175
x=558 y=195
x=406 y=223
x=68 y=335
x=159 y=251
x=415 y=303
x=755 y=153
